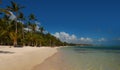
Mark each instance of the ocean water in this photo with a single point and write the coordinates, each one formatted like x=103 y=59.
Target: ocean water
x=91 y=58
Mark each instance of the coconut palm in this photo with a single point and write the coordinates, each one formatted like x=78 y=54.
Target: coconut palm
x=3 y=23
x=41 y=29
x=37 y=40
x=22 y=18
x=13 y=37
x=32 y=17
x=4 y=27
x=33 y=27
x=15 y=8
x=10 y=30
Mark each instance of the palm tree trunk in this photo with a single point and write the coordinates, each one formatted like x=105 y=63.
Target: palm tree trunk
x=36 y=44
x=15 y=42
x=40 y=44
x=23 y=36
x=16 y=28
x=50 y=43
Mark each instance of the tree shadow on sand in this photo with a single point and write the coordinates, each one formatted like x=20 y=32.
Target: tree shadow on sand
x=6 y=52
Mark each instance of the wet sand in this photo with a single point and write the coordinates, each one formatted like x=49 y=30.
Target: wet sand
x=54 y=62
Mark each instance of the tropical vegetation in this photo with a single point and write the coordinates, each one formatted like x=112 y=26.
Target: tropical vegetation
x=22 y=30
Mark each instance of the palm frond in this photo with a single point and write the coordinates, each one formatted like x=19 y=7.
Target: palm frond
x=32 y=17
x=5 y=11
x=14 y=5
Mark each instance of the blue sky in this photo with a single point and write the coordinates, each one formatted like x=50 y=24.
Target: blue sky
x=92 y=21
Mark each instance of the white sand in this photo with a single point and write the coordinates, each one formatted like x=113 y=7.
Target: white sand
x=24 y=58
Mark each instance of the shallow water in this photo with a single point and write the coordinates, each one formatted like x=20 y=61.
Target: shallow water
x=92 y=58
x=83 y=58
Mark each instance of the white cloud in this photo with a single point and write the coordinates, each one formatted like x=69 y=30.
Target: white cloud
x=85 y=40
x=102 y=40
x=71 y=38
x=36 y=22
x=27 y=29
x=20 y=21
x=65 y=37
x=38 y=25
x=37 y=28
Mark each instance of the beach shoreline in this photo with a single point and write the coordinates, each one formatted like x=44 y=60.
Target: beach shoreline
x=24 y=58
x=55 y=62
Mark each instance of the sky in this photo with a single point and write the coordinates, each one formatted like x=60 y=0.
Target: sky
x=77 y=21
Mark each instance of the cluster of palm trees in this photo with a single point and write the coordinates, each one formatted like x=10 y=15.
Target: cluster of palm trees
x=23 y=31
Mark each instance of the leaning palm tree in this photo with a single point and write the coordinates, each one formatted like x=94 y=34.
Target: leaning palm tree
x=15 y=8
x=3 y=20
x=2 y=29
x=4 y=25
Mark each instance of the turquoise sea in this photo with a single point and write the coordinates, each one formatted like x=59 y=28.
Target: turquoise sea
x=91 y=58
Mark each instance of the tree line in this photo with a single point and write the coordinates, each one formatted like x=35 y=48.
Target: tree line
x=23 y=31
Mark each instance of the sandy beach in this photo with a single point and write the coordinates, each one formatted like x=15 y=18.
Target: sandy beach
x=23 y=58
x=55 y=62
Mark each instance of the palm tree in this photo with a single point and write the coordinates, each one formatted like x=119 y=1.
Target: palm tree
x=30 y=21
x=38 y=40
x=13 y=37
x=41 y=29
x=32 y=17
x=33 y=27
x=4 y=28
x=22 y=18
x=15 y=8
x=32 y=24
x=10 y=30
